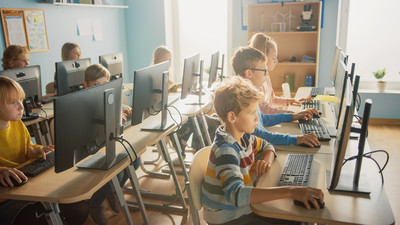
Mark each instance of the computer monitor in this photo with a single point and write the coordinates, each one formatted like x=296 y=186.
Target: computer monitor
x=351 y=74
x=150 y=96
x=70 y=75
x=339 y=179
x=342 y=138
x=30 y=80
x=340 y=87
x=214 y=68
x=84 y=122
x=114 y=64
x=190 y=82
x=335 y=65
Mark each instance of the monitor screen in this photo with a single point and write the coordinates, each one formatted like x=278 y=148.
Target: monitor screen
x=213 y=69
x=114 y=64
x=30 y=80
x=340 y=86
x=190 y=73
x=150 y=96
x=83 y=120
x=342 y=138
x=70 y=75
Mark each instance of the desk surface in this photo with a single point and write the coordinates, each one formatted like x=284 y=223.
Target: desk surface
x=339 y=207
x=186 y=108
x=77 y=184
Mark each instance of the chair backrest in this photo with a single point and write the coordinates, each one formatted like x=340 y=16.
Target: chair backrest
x=196 y=174
x=286 y=90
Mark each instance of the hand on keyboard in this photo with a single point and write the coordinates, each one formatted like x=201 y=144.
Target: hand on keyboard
x=305 y=114
x=310 y=140
x=41 y=150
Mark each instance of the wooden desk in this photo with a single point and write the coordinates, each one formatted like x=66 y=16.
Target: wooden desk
x=74 y=185
x=340 y=208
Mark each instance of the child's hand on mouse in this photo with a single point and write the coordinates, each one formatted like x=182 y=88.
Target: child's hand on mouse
x=305 y=194
x=6 y=173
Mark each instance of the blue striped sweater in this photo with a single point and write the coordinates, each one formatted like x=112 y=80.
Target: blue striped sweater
x=228 y=182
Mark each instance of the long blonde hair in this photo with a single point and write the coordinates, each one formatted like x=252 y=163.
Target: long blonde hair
x=263 y=43
x=66 y=49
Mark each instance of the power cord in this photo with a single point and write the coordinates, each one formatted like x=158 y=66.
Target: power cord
x=369 y=156
x=180 y=116
x=122 y=140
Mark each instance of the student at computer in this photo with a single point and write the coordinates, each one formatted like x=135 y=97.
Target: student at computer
x=69 y=51
x=97 y=74
x=16 y=148
x=251 y=64
x=15 y=56
x=162 y=54
x=271 y=102
x=237 y=157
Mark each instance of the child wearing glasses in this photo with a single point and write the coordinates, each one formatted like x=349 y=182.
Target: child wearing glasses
x=251 y=64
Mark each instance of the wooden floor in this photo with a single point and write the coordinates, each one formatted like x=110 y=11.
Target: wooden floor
x=385 y=137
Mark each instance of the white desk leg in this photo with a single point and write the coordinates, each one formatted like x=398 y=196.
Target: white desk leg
x=117 y=188
x=54 y=212
x=205 y=128
x=136 y=188
x=197 y=130
x=174 y=138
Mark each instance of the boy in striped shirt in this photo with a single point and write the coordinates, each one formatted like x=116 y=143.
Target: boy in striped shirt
x=237 y=157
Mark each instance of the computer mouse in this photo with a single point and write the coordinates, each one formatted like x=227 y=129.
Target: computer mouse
x=316 y=115
x=15 y=182
x=300 y=203
x=304 y=145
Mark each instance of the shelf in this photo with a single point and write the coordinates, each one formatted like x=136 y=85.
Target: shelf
x=84 y=5
x=296 y=64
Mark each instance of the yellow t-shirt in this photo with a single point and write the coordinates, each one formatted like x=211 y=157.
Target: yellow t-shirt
x=14 y=142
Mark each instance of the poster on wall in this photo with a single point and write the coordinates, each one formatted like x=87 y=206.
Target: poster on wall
x=36 y=30
x=25 y=27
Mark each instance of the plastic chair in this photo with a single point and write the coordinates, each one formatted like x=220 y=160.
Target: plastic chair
x=196 y=175
x=286 y=90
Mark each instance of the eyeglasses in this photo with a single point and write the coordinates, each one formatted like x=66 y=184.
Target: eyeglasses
x=265 y=71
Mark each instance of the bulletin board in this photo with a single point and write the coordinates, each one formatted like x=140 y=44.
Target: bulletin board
x=25 y=27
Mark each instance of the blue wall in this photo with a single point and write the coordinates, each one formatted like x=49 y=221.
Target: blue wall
x=130 y=31
x=145 y=28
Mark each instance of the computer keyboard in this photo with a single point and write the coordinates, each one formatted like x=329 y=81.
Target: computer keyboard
x=317 y=91
x=38 y=165
x=296 y=170
x=317 y=126
x=316 y=104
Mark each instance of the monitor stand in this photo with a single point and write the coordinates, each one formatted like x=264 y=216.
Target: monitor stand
x=106 y=160
x=346 y=184
x=29 y=115
x=98 y=161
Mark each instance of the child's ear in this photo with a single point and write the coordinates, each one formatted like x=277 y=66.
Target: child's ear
x=85 y=84
x=247 y=74
x=231 y=117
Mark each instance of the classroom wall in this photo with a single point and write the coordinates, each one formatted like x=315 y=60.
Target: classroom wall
x=145 y=29
x=61 y=23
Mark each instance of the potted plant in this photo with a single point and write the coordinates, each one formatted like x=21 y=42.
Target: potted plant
x=379 y=75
